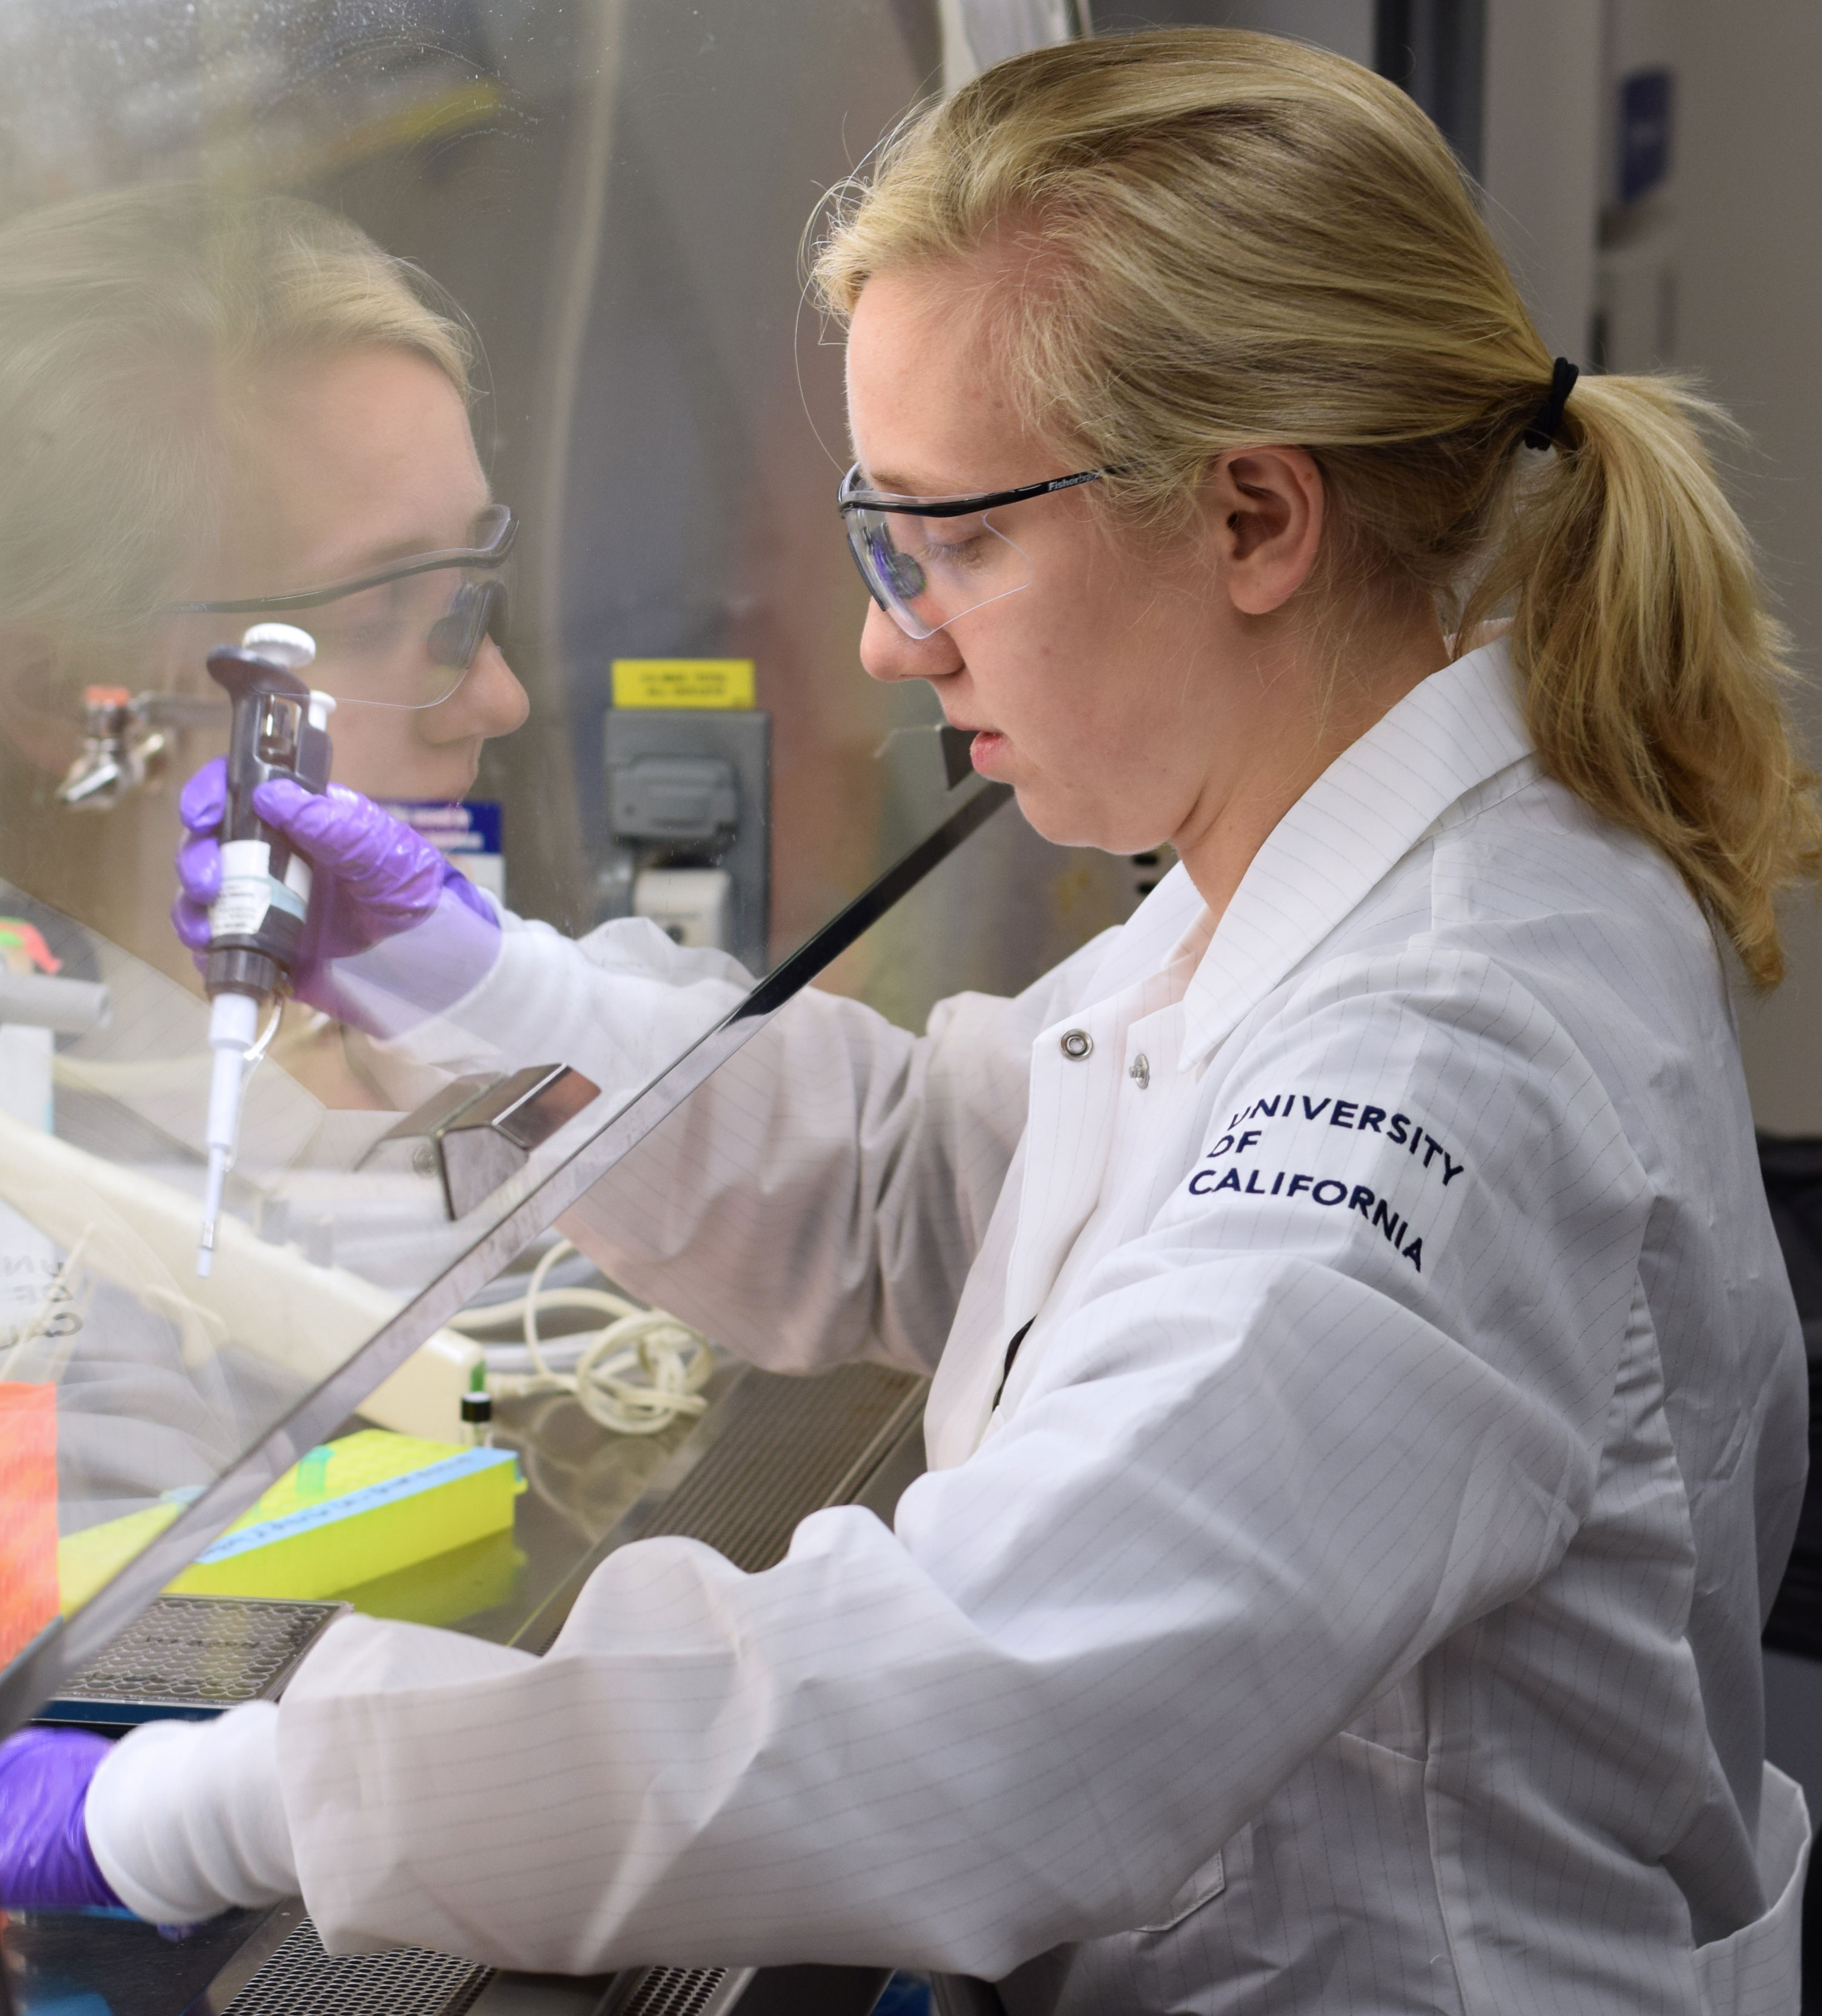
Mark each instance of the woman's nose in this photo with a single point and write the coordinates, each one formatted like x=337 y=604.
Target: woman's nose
x=490 y=701
x=886 y=653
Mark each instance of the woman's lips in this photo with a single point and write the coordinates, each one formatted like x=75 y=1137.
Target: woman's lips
x=987 y=744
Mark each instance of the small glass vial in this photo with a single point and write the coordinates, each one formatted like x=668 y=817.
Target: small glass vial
x=477 y=1418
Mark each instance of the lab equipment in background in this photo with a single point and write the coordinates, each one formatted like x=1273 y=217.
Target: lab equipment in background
x=688 y=762
x=478 y=1412
x=126 y=740
x=977 y=33
x=476 y=1132
x=470 y=833
x=691 y=907
x=302 y=1317
x=39 y=1003
x=45 y=1001
x=280 y=729
x=635 y=1375
x=1634 y=320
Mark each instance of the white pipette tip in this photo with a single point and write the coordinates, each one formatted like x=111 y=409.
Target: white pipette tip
x=218 y=1177
x=232 y=1018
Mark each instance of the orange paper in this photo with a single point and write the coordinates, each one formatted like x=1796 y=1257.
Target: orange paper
x=28 y=1513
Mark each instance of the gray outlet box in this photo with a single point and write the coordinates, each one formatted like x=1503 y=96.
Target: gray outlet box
x=691 y=787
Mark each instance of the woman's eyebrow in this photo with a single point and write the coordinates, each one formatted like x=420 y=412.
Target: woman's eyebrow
x=893 y=485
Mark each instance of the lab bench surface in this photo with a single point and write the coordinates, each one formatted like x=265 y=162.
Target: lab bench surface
x=767 y=1452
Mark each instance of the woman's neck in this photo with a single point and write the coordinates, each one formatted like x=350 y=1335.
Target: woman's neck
x=1321 y=703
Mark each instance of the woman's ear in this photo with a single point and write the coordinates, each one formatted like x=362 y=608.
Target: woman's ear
x=1264 y=509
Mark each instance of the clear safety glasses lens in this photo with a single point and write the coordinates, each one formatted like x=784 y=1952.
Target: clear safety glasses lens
x=404 y=636
x=405 y=643
x=925 y=572
x=479 y=608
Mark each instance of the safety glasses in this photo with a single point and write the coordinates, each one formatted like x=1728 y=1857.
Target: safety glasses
x=926 y=561
x=405 y=635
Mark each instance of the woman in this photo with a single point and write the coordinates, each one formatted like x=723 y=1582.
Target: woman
x=208 y=399
x=1367 y=1429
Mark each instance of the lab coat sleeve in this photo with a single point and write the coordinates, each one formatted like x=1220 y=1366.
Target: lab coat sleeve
x=619 y=1005
x=822 y=1195
x=1267 y=1461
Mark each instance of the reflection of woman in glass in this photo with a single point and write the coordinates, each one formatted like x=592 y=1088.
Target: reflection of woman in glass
x=206 y=400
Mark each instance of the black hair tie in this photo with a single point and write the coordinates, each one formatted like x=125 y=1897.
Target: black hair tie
x=1541 y=433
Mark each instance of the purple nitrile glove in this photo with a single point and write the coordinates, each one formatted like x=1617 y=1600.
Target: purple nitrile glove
x=45 y=1864
x=375 y=879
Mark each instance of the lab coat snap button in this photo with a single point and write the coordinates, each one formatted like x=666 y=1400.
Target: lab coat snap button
x=1141 y=1069
x=1077 y=1043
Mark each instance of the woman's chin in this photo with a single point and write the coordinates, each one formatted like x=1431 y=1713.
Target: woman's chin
x=1054 y=817
x=430 y=783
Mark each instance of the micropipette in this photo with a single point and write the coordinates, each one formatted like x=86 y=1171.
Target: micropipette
x=279 y=728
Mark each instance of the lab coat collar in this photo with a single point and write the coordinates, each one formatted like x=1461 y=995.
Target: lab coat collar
x=1458 y=728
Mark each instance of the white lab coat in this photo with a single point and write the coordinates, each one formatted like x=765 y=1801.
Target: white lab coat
x=1353 y=1600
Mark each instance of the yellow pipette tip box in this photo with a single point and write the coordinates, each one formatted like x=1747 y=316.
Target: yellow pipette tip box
x=368 y=1506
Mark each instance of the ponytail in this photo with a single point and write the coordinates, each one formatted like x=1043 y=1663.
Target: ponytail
x=1237 y=239
x=1653 y=675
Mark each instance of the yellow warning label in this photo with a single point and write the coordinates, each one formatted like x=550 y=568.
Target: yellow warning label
x=682 y=681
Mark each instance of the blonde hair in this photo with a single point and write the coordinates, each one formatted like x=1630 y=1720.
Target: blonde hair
x=1232 y=240
x=123 y=317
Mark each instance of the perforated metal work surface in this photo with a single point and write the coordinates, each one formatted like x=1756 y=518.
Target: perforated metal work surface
x=784 y=1455
x=676 y=1991
x=301 y=1979
x=200 y=1652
